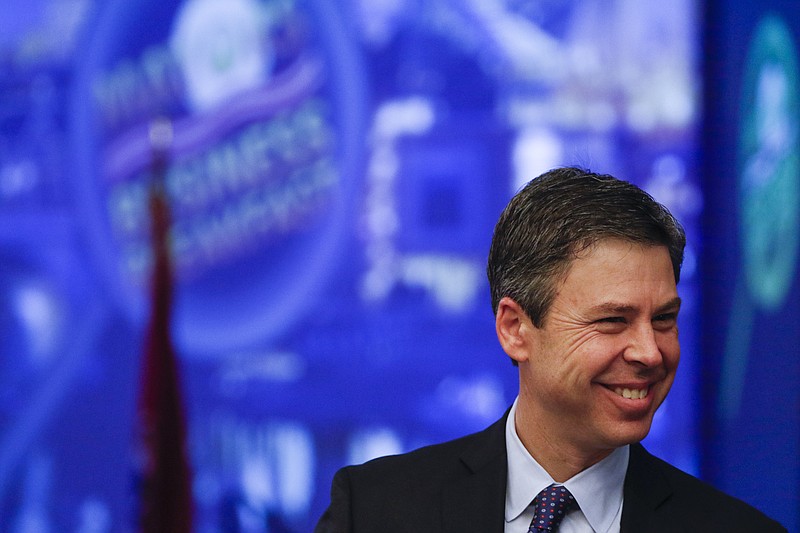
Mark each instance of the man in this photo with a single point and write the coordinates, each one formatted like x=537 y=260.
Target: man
x=583 y=271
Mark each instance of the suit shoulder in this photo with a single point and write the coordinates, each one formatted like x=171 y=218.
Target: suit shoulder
x=710 y=505
x=406 y=492
x=429 y=462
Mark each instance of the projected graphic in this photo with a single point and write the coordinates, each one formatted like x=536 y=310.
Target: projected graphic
x=751 y=301
x=258 y=180
x=769 y=193
x=770 y=175
x=335 y=170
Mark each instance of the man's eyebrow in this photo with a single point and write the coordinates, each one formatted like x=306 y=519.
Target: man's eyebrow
x=613 y=307
x=620 y=308
x=672 y=305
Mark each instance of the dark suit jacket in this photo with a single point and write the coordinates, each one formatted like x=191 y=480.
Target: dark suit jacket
x=460 y=486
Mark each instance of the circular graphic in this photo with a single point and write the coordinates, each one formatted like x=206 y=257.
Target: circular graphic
x=263 y=107
x=770 y=164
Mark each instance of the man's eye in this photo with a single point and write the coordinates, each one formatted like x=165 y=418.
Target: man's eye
x=667 y=319
x=611 y=324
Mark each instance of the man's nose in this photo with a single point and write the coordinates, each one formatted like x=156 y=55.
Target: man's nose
x=643 y=348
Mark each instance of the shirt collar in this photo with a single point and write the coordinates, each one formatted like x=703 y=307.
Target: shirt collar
x=598 y=489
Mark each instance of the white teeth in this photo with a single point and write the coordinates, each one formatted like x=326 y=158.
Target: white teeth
x=633 y=394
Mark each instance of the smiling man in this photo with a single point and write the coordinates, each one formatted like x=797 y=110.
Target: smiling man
x=583 y=271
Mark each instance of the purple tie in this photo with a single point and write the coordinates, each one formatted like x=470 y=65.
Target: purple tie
x=550 y=507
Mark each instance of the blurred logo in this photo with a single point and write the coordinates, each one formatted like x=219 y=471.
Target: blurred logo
x=221 y=49
x=256 y=172
x=770 y=164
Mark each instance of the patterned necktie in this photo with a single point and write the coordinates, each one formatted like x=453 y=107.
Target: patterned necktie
x=550 y=507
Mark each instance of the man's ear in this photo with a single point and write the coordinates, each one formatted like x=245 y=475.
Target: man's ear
x=512 y=325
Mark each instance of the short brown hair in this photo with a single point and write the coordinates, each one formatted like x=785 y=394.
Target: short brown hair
x=559 y=214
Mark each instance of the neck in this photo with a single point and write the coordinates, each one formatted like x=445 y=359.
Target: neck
x=562 y=460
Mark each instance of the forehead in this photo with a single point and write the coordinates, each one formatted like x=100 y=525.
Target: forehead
x=619 y=270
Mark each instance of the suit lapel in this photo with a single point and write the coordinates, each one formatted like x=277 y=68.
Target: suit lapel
x=645 y=490
x=475 y=501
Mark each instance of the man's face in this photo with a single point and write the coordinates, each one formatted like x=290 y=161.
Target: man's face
x=606 y=355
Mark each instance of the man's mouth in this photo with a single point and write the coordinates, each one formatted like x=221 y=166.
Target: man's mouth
x=633 y=394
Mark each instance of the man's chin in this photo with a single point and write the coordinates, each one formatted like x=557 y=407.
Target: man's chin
x=630 y=432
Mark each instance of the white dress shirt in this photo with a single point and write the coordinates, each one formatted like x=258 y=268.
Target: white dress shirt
x=598 y=489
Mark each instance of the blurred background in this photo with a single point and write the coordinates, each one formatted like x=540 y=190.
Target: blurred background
x=334 y=171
